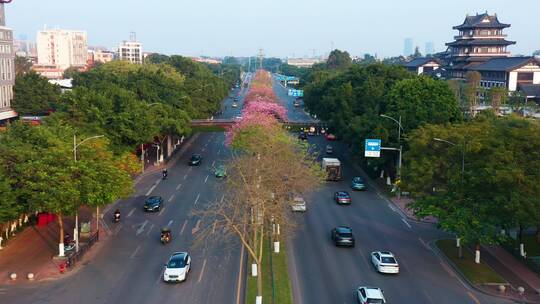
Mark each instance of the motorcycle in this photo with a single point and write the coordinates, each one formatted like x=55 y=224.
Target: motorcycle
x=116 y=218
x=165 y=236
x=165 y=174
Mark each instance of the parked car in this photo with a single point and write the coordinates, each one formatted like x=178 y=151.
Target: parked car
x=384 y=262
x=342 y=198
x=343 y=236
x=329 y=149
x=357 y=183
x=153 y=203
x=177 y=268
x=234 y=105
x=298 y=204
x=195 y=160
x=370 y=295
x=220 y=172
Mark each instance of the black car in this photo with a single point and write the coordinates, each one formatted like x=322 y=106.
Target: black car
x=153 y=204
x=342 y=197
x=343 y=236
x=195 y=160
x=302 y=136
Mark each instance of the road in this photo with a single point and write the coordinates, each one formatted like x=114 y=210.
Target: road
x=322 y=273
x=128 y=267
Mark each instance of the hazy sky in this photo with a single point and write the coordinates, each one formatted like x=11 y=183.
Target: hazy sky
x=282 y=28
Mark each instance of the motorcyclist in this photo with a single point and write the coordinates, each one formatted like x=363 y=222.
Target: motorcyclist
x=117 y=214
x=165 y=173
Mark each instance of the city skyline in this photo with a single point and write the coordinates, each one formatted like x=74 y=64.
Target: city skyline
x=221 y=29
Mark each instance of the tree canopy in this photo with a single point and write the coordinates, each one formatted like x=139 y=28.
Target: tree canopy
x=34 y=95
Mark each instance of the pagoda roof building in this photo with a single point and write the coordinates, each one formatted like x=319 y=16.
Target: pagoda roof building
x=480 y=38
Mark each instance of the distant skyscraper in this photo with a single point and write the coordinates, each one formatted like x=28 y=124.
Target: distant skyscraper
x=430 y=48
x=408 y=47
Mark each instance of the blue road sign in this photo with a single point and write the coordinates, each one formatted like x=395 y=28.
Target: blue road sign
x=373 y=148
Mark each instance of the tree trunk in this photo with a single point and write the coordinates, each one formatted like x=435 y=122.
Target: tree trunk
x=460 y=248
x=520 y=239
x=477 y=254
x=259 y=281
x=61 y=243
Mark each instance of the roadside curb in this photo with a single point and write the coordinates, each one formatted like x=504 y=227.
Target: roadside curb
x=464 y=280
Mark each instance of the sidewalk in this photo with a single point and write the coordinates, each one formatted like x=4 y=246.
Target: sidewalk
x=33 y=250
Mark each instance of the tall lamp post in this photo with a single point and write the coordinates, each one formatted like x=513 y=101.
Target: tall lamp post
x=76 y=230
x=400 y=129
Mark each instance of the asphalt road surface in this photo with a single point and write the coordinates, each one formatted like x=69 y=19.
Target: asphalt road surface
x=129 y=266
x=323 y=273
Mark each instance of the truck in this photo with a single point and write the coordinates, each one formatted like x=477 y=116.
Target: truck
x=332 y=166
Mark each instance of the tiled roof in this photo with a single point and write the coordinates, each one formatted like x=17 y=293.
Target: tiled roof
x=531 y=89
x=480 y=42
x=420 y=61
x=504 y=64
x=478 y=22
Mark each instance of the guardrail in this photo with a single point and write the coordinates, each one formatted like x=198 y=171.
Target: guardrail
x=76 y=256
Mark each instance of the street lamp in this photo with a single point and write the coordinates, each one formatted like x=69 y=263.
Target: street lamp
x=462 y=154
x=76 y=230
x=400 y=129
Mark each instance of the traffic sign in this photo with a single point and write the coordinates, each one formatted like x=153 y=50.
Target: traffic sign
x=296 y=93
x=373 y=148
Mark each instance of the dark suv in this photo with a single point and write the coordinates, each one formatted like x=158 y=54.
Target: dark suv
x=343 y=236
x=153 y=203
x=195 y=160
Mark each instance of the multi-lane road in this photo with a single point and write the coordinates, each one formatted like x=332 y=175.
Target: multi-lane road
x=322 y=273
x=129 y=265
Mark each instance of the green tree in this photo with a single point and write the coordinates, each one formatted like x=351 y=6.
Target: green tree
x=34 y=95
x=536 y=53
x=497 y=97
x=472 y=91
x=339 y=60
x=22 y=65
x=422 y=100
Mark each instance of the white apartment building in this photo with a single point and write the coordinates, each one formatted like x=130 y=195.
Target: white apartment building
x=131 y=51
x=62 y=48
x=7 y=69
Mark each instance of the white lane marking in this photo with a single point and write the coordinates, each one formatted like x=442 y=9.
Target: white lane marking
x=427 y=296
x=424 y=244
x=185 y=176
x=213 y=163
x=153 y=187
x=406 y=223
x=183 y=227
x=206 y=179
x=196 y=228
x=131 y=212
x=178 y=187
x=203 y=149
x=202 y=271
x=392 y=207
x=222 y=198
x=170 y=198
x=240 y=275
x=161 y=211
x=148 y=232
x=135 y=252
x=214 y=227
x=197 y=199
x=170 y=223
x=141 y=227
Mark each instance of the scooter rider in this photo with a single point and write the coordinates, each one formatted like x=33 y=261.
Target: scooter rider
x=117 y=215
x=165 y=173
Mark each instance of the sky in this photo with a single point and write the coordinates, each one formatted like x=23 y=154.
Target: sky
x=293 y=28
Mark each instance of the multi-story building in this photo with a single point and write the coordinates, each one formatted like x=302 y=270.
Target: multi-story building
x=7 y=69
x=101 y=56
x=131 y=51
x=62 y=48
x=408 y=47
x=480 y=38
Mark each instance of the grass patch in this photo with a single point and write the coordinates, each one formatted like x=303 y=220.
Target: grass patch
x=282 y=287
x=476 y=273
x=207 y=129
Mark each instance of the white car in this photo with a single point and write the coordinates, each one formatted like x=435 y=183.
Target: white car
x=370 y=295
x=384 y=262
x=177 y=268
x=298 y=204
x=234 y=105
